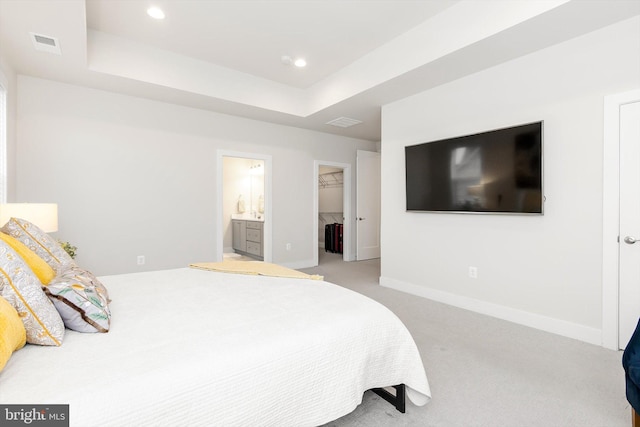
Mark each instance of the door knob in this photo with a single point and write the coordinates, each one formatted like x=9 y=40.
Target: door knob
x=630 y=240
x=361 y=219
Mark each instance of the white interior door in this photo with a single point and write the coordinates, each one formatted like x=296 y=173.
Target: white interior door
x=629 y=251
x=368 y=205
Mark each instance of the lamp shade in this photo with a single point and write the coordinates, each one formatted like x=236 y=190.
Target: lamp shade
x=44 y=215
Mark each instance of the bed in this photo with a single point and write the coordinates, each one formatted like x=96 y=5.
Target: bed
x=190 y=347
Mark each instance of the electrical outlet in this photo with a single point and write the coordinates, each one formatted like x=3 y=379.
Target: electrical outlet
x=141 y=260
x=473 y=272
x=288 y=246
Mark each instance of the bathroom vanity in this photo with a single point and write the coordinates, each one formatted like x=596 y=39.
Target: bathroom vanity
x=248 y=237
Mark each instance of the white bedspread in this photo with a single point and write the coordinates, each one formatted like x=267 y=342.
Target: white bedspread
x=198 y=348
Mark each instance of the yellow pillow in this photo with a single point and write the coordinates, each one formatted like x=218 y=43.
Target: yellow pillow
x=13 y=336
x=40 y=268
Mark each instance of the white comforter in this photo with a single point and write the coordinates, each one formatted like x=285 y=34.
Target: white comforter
x=190 y=347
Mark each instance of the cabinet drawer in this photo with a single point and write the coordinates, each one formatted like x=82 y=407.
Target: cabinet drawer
x=254 y=248
x=253 y=235
x=254 y=224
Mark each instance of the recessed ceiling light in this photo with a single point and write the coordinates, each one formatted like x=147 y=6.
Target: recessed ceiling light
x=155 y=12
x=298 y=62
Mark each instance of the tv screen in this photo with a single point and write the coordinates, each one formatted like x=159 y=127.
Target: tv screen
x=491 y=172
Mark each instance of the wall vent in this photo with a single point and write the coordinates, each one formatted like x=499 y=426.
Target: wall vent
x=343 y=122
x=45 y=43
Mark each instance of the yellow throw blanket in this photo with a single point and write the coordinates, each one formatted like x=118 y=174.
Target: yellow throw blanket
x=254 y=268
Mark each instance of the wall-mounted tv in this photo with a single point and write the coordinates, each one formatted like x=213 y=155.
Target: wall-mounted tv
x=490 y=172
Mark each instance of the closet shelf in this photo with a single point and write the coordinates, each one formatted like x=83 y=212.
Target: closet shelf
x=330 y=218
x=331 y=180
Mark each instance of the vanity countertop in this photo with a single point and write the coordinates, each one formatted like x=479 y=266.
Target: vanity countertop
x=248 y=217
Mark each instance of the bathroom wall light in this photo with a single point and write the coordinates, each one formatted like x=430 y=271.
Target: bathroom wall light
x=256 y=169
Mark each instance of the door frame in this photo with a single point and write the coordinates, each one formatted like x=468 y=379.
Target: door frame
x=268 y=218
x=611 y=215
x=346 y=207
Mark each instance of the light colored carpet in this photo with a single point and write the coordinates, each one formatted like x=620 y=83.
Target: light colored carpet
x=487 y=372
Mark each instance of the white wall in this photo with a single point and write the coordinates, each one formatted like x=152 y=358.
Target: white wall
x=542 y=271
x=8 y=80
x=137 y=177
x=330 y=199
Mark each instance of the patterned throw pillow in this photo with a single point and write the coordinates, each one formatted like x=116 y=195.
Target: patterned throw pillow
x=81 y=300
x=40 y=268
x=38 y=241
x=12 y=333
x=22 y=289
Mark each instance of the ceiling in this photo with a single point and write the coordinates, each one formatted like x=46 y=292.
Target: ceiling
x=251 y=37
x=226 y=56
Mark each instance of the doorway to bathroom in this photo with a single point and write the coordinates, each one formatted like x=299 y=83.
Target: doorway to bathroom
x=243 y=230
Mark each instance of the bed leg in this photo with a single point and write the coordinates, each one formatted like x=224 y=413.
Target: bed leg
x=397 y=400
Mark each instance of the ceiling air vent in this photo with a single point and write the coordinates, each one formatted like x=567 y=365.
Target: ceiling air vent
x=343 y=122
x=46 y=43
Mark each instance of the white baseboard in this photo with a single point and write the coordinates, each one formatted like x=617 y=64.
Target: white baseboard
x=537 y=321
x=299 y=264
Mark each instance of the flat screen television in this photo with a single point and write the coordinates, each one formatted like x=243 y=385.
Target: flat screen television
x=490 y=172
